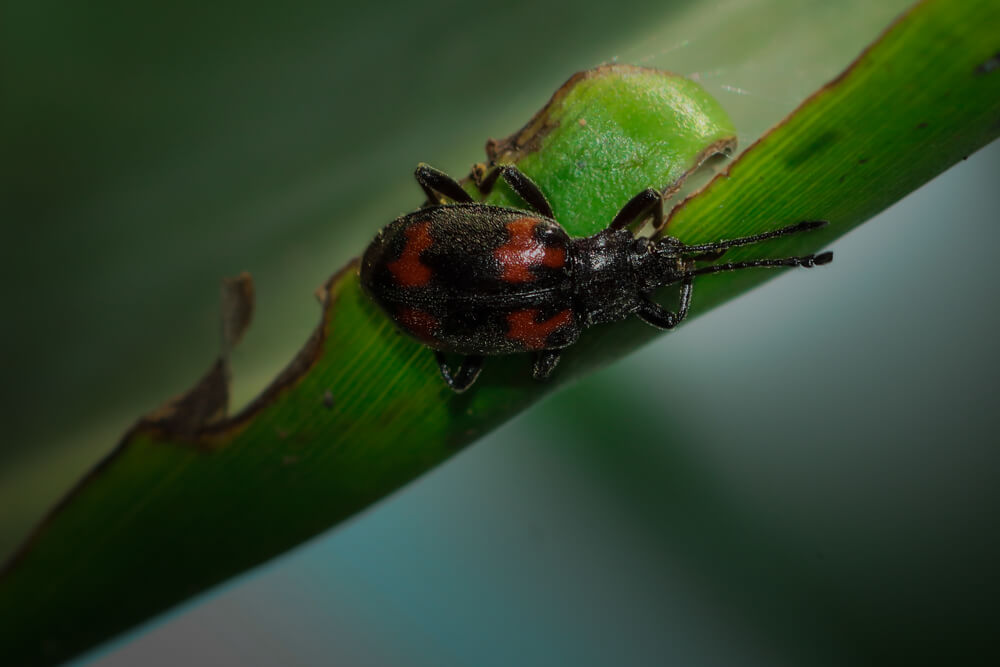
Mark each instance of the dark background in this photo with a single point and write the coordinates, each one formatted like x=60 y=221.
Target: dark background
x=806 y=476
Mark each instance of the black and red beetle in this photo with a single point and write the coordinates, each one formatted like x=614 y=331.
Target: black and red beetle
x=480 y=280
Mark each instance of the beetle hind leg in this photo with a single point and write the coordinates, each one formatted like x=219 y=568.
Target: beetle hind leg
x=466 y=374
x=545 y=363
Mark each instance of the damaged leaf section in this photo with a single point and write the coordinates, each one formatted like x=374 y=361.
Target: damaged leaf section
x=200 y=416
x=605 y=135
x=237 y=309
x=311 y=353
x=208 y=401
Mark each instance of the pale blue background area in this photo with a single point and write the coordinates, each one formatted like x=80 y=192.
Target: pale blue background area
x=698 y=503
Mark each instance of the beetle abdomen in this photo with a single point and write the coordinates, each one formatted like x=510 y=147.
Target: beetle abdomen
x=474 y=279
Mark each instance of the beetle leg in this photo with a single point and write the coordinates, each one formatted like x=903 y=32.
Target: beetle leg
x=436 y=183
x=638 y=207
x=653 y=313
x=466 y=374
x=545 y=363
x=522 y=185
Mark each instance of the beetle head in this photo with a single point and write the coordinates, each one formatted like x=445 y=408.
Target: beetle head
x=660 y=262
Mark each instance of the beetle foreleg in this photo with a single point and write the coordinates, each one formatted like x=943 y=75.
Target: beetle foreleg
x=655 y=314
x=545 y=363
x=638 y=207
x=466 y=374
x=436 y=183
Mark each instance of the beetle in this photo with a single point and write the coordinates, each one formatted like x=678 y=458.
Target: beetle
x=480 y=280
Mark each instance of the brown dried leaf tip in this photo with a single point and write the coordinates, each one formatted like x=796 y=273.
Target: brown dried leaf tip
x=208 y=401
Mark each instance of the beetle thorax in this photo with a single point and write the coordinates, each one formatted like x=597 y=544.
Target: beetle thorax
x=603 y=276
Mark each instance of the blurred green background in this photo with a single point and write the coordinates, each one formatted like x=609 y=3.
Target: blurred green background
x=806 y=476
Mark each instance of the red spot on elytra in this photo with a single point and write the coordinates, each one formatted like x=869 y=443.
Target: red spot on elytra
x=525 y=327
x=523 y=251
x=419 y=323
x=408 y=269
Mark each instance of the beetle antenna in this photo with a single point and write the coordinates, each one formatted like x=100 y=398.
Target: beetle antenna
x=803 y=226
x=806 y=261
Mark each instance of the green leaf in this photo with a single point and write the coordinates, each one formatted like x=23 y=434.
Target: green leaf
x=608 y=134
x=196 y=514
